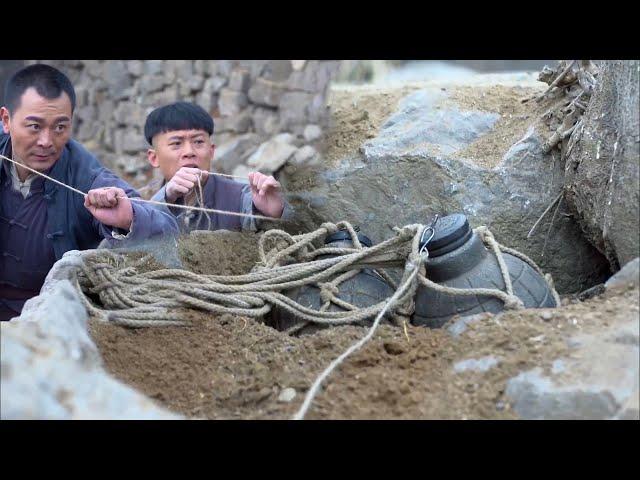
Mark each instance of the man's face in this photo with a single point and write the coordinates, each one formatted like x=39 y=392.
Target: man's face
x=181 y=148
x=39 y=128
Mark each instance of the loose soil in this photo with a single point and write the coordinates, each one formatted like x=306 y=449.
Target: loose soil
x=358 y=113
x=356 y=116
x=227 y=367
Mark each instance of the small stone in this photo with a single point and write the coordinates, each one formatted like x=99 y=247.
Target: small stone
x=265 y=121
x=287 y=395
x=271 y=155
x=298 y=65
x=241 y=171
x=266 y=92
x=284 y=138
x=135 y=67
x=154 y=67
x=151 y=83
x=393 y=348
x=478 y=365
x=546 y=316
x=239 y=80
x=306 y=155
x=231 y=103
x=214 y=84
x=312 y=133
x=628 y=275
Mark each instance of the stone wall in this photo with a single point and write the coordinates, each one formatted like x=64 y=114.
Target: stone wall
x=251 y=101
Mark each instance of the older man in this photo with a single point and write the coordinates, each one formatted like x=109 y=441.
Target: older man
x=40 y=220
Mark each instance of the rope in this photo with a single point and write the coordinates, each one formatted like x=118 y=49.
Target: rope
x=316 y=385
x=142 y=200
x=154 y=298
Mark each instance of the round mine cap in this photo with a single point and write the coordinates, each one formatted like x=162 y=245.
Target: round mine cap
x=451 y=231
x=343 y=235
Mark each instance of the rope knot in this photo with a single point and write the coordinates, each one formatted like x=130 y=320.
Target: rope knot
x=513 y=303
x=328 y=291
x=128 y=272
x=484 y=233
x=330 y=227
x=414 y=260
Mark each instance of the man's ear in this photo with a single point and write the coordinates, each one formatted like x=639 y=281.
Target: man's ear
x=152 y=157
x=6 y=120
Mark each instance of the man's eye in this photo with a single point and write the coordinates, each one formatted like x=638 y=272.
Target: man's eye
x=33 y=126
x=174 y=144
x=61 y=128
x=199 y=142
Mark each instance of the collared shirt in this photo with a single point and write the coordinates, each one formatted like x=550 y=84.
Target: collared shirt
x=19 y=185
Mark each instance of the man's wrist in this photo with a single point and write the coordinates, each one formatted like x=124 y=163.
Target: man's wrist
x=170 y=197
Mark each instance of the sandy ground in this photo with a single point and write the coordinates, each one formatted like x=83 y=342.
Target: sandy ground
x=226 y=367
x=359 y=112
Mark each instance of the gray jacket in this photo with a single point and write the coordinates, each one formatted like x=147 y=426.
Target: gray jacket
x=220 y=194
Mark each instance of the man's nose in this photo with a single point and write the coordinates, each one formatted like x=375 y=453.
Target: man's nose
x=188 y=150
x=44 y=139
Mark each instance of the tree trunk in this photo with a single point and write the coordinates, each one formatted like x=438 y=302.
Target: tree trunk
x=601 y=181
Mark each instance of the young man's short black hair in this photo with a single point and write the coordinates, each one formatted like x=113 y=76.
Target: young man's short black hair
x=48 y=81
x=177 y=116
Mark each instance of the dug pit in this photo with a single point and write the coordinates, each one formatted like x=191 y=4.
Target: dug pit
x=229 y=367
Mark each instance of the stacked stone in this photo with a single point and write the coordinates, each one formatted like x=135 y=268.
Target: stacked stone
x=266 y=112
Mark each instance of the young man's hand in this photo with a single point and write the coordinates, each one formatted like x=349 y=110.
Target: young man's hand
x=267 y=196
x=183 y=182
x=110 y=206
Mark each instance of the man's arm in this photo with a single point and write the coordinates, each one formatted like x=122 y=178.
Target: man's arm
x=249 y=208
x=147 y=220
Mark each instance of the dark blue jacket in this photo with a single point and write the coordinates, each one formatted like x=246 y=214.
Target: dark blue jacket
x=69 y=225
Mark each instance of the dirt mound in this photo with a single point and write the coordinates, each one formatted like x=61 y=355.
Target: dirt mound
x=230 y=367
x=356 y=116
x=358 y=113
x=515 y=118
x=220 y=252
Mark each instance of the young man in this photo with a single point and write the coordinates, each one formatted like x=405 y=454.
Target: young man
x=39 y=219
x=180 y=139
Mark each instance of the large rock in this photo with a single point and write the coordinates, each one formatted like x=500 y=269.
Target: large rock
x=598 y=381
x=409 y=172
x=603 y=165
x=51 y=369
